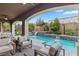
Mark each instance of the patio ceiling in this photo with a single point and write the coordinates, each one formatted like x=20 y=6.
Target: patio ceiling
x=42 y=7
x=19 y=11
x=12 y=10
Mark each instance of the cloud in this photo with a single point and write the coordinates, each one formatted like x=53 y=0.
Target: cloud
x=71 y=12
x=59 y=10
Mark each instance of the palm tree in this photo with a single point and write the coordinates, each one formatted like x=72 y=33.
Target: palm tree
x=40 y=22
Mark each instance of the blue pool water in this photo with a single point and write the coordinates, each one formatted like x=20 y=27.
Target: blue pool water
x=66 y=44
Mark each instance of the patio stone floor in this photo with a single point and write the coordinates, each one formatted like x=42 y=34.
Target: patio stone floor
x=28 y=51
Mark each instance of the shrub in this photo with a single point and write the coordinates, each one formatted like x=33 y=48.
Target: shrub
x=55 y=26
x=71 y=32
x=31 y=26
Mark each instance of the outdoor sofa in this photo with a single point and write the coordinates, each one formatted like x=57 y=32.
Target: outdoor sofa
x=6 y=44
x=24 y=42
x=49 y=50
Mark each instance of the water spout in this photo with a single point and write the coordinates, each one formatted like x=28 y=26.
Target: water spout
x=35 y=33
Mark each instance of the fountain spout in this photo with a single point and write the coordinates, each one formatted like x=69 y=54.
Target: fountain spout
x=36 y=33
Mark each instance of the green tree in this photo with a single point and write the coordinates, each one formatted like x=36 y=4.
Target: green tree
x=31 y=26
x=6 y=27
x=18 y=29
x=40 y=22
x=55 y=26
x=46 y=27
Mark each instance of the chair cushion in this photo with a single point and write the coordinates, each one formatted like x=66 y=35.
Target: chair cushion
x=6 y=35
x=52 y=51
x=57 y=46
x=44 y=50
x=23 y=38
x=4 y=41
x=26 y=43
x=48 y=51
x=5 y=48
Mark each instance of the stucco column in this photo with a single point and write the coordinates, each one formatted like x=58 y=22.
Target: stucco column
x=23 y=27
x=78 y=20
x=26 y=28
x=78 y=32
x=11 y=26
x=1 y=27
x=62 y=29
x=13 y=29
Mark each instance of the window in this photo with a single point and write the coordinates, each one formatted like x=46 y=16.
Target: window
x=18 y=28
x=6 y=27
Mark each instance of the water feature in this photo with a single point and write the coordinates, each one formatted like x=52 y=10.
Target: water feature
x=35 y=33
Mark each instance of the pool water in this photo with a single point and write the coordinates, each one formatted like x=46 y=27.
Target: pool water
x=69 y=46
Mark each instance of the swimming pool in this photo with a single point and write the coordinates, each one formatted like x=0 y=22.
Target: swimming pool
x=69 y=46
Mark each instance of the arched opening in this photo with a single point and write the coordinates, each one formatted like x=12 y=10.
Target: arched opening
x=70 y=15
x=66 y=16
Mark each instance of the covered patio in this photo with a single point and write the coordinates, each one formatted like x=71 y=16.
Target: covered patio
x=13 y=13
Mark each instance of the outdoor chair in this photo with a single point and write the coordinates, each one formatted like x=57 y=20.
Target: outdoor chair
x=49 y=51
x=6 y=46
x=24 y=42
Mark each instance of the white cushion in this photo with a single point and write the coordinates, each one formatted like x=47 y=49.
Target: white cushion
x=57 y=46
x=6 y=34
x=26 y=43
x=0 y=34
x=4 y=41
x=44 y=50
x=23 y=38
x=5 y=48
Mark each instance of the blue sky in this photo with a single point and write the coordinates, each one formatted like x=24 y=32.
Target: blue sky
x=50 y=15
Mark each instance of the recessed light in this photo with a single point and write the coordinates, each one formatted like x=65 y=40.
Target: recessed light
x=23 y=3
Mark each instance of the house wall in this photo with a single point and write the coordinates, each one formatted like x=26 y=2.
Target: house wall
x=68 y=26
x=39 y=28
x=72 y=26
x=69 y=23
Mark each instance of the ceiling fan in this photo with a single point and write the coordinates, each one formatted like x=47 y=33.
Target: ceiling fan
x=4 y=17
